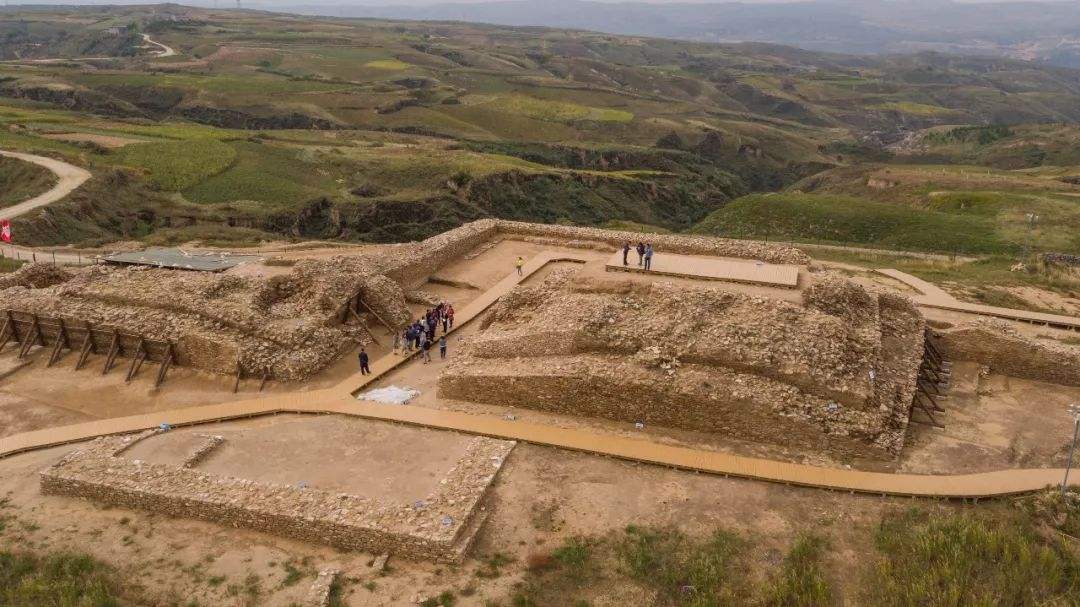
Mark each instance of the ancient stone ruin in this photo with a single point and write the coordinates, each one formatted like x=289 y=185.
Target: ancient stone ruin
x=440 y=527
x=837 y=372
x=289 y=326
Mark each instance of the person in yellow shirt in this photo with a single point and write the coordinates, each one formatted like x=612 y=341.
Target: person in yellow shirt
x=520 y=263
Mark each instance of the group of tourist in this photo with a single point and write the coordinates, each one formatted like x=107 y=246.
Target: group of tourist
x=420 y=335
x=644 y=254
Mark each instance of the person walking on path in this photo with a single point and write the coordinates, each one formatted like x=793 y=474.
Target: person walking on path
x=520 y=263
x=640 y=252
x=445 y=322
x=442 y=347
x=425 y=345
x=450 y=315
x=625 y=252
x=648 y=257
x=364 y=369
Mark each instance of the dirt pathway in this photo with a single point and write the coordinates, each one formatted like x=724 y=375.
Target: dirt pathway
x=69 y=178
x=166 y=51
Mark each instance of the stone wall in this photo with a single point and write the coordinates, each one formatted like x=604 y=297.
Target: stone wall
x=440 y=527
x=999 y=346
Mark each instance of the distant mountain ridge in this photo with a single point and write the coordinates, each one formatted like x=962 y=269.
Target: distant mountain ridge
x=1047 y=32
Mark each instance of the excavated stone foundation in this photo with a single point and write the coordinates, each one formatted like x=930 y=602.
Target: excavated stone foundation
x=440 y=527
x=837 y=372
x=291 y=325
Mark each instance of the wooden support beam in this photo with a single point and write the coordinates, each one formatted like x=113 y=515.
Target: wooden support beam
x=6 y=332
x=34 y=336
x=164 y=365
x=239 y=375
x=85 y=350
x=114 y=349
x=62 y=342
x=136 y=360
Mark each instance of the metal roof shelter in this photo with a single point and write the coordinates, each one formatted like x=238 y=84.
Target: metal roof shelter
x=179 y=259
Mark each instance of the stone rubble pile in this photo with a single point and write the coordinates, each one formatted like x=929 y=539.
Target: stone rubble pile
x=838 y=370
x=439 y=527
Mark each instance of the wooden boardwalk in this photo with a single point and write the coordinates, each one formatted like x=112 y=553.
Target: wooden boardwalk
x=341 y=400
x=932 y=296
x=711 y=268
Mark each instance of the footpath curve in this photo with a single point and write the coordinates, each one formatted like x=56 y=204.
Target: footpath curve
x=69 y=178
x=933 y=296
x=340 y=399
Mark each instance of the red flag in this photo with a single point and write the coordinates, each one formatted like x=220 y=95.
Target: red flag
x=5 y=230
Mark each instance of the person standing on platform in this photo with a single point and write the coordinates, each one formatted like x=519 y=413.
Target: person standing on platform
x=442 y=347
x=640 y=252
x=450 y=315
x=625 y=252
x=520 y=263
x=364 y=369
x=648 y=257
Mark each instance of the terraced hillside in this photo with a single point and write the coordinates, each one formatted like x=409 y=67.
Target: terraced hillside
x=267 y=125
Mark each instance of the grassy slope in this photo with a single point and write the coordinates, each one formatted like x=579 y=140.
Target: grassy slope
x=20 y=180
x=850 y=221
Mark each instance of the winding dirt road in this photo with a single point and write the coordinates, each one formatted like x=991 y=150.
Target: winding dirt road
x=69 y=176
x=166 y=51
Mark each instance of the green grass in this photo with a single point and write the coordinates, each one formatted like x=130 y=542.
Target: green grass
x=801 y=581
x=916 y=109
x=556 y=111
x=8 y=264
x=276 y=175
x=177 y=165
x=387 y=64
x=61 y=580
x=848 y=221
x=21 y=181
x=968 y=559
x=671 y=564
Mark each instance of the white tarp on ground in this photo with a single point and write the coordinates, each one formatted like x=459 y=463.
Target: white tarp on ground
x=391 y=395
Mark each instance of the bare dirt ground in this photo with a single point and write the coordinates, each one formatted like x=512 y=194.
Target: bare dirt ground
x=541 y=497
x=391 y=463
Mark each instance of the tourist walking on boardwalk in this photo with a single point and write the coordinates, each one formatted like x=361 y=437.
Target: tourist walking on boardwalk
x=445 y=321
x=425 y=345
x=442 y=347
x=364 y=369
x=450 y=315
x=397 y=341
x=520 y=263
x=648 y=256
x=640 y=252
x=625 y=252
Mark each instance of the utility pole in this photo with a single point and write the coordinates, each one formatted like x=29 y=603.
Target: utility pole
x=1074 y=411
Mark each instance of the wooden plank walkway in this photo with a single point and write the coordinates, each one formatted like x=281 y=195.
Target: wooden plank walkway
x=932 y=296
x=340 y=400
x=711 y=268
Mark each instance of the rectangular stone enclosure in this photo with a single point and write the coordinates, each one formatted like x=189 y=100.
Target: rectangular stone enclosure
x=440 y=527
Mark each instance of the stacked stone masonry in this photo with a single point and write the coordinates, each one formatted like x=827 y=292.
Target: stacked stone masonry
x=292 y=325
x=439 y=527
x=1004 y=350
x=838 y=371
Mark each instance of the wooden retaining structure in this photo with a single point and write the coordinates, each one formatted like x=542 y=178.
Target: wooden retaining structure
x=27 y=330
